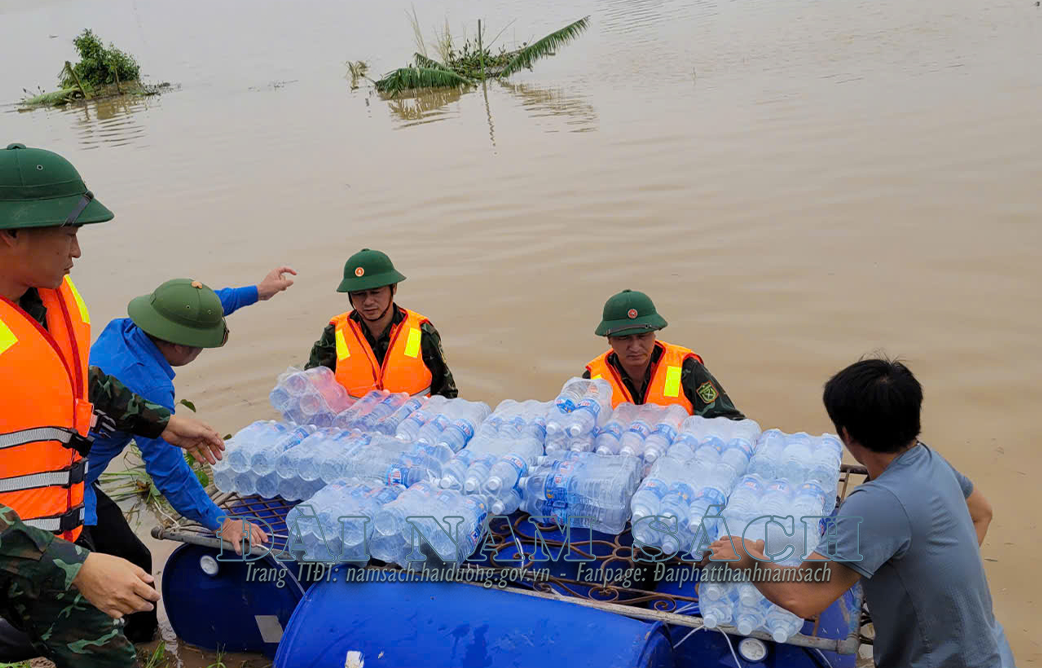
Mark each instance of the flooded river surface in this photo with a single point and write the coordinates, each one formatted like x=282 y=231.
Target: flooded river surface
x=796 y=183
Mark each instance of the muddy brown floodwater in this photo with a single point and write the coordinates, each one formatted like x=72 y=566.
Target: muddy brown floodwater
x=795 y=182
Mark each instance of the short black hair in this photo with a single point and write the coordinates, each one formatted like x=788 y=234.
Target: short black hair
x=879 y=403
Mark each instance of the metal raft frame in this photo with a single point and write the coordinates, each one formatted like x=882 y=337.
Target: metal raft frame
x=614 y=554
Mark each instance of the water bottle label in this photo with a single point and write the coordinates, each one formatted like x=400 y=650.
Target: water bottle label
x=666 y=431
x=517 y=462
x=556 y=485
x=641 y=428
x=419 y=416
x=655 y=486
x=811 y=488
x=743 y=445
x=565 y=405
x=749 y=482
x=590 y=405
x=710 y=496
x=613 y=428
x=395 y=475
x=686 y=492
x=778 y=485
x=557 y=512
x=466 y=427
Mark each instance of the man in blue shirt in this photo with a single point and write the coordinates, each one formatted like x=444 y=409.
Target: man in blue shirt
x=167 y=328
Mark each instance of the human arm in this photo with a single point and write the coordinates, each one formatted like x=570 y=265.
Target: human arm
x=120 y=409
x=181 y=487
x=232 y=299
x=976 y=503
x=434 y=357
x=806 y=594
x=706 y=393
x=36 y=559
x=323 y=352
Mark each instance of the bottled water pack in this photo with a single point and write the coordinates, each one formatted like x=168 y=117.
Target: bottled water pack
x=800 y=458
x=581 y=407
x=328 y=538
x=311 y=397
x=583 y=489
x=439 y=539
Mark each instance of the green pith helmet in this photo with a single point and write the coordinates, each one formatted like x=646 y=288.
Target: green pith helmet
x=368 y=269
x=629 y=312
x=181 y=311
x=39 y=188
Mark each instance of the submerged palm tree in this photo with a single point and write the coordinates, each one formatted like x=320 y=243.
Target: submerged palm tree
x=465 y=67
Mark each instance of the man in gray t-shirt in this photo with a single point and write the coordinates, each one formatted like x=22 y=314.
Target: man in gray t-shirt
x=911 y=534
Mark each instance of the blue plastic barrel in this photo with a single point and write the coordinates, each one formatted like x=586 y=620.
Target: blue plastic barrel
x=454 y=625
x=238 y=606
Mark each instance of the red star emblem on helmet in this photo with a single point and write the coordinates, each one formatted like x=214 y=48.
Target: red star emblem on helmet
x=632 y=313
x=360 y=271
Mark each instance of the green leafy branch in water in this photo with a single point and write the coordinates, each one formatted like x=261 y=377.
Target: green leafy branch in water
x=99 y=66
x=466 y=66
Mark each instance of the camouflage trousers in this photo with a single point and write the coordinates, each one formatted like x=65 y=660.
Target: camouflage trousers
x=65 y=627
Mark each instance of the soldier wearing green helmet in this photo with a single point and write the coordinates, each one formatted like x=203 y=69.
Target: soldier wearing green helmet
x=167 y=328
x=379 y=345
x=62 y=597
x=642 y=369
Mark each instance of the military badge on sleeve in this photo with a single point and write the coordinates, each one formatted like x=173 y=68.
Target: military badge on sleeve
x=706 y=392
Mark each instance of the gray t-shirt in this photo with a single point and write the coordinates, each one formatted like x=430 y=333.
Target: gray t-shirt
x=920 y=565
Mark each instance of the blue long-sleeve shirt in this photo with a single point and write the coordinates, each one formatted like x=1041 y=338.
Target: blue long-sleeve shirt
x=126 y=352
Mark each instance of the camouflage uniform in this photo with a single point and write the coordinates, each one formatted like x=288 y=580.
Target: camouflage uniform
x=118 y=408
x=37 y=596
x=693 y=378
x=323 y=353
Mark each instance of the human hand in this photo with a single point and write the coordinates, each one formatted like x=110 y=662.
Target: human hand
x=198 y=438
x=114 y=585
x=724 y=549
x=274 y=282
x=232 y=532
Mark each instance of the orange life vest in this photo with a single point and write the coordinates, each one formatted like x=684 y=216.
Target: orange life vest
x=403 y=369
x=664 y=388
x=44 y=411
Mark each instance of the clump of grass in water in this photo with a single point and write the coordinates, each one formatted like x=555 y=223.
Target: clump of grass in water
x=472 y=62
x=100 y=72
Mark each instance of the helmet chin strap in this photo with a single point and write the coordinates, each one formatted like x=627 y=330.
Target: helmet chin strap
x=87 y=198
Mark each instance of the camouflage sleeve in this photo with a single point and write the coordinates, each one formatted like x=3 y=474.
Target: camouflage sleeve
x=434 y=357
x=31 y=557
x=706 y=393
x=120 y=409
x=323 y=353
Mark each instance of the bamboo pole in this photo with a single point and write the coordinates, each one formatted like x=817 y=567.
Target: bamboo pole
x=481 y=51
x=68 y=66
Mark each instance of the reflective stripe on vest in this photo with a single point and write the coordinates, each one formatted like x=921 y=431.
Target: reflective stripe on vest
x=66 y=522
x=403 y=368
x=74 y=474
x=44 y=410
x=664 y=389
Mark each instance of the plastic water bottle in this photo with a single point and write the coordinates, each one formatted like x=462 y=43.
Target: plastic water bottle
x=796 y=458
x=665 y=431
x=632 y=441
x=505 y=504
x=264 y=458
x=369 y=505
x=346 y=418
x=718 y=612
x=749 y=616
x=782 y=624
x=413 y=467
x=459 y=431
x=769 y=454
x=339 y=452
x=387 y=406
x=258 y=435
x=736 y=454
x=608 y=437
x=389 y=425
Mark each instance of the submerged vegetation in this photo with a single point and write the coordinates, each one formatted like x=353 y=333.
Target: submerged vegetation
x=100 y=72
x=471 y=63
